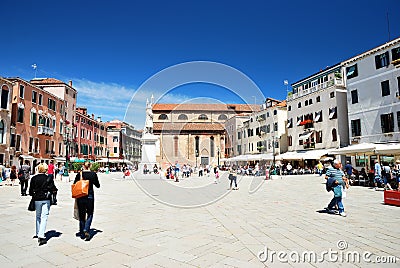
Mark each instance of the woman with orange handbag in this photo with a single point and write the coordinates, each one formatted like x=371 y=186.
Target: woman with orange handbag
x=86 y=203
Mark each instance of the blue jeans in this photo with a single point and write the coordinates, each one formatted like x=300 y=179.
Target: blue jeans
x=42 y=213
x=86 y=209
x=336 y=201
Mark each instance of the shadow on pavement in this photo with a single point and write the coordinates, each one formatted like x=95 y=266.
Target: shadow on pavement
x=52 y=233
x=94 y=232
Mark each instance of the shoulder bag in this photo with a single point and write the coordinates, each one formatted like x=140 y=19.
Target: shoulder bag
x=80 y=188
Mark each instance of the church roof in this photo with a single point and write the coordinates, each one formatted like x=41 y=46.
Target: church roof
x=158 y=127
x=238 y=108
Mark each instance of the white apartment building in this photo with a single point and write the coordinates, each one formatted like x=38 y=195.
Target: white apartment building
x=317 y=113
x=373 y=90
x=232 y=126
x=265 y=131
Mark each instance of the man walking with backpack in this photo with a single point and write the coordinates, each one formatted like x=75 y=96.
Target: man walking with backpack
x=24 y=176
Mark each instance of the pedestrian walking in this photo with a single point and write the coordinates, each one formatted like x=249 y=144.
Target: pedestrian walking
x=23 y=175
x=387 y=176
x=13 y=174
x=41 y=188
x=320 y=168
x=216 y=174
x=232 y=177
x=50 y=170
x=86 y=203
x=378 y=174
x=336 y=179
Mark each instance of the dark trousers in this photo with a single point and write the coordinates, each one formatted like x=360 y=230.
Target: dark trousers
x=233 y=180
x=24 y=186
x=86 y=208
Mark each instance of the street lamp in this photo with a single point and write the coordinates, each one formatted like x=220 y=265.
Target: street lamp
x=218 y=156
x=67 y=142
x=197 y=154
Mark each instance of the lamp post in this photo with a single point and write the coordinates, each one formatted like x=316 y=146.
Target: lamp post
x=67 y=142
x=196 y=154
x=218 y=156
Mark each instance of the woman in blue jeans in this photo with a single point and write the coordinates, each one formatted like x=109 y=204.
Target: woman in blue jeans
x=86 y=203
x=39 y=188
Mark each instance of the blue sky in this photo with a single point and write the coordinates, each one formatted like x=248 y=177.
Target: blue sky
x=109 y=48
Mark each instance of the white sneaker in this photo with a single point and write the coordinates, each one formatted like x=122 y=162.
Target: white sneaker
x=343 y=214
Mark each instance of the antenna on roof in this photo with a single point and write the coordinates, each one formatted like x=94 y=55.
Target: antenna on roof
x=34 y=66
x=286 y=83
x=388 y=25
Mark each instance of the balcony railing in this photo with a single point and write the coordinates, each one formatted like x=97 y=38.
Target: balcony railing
x=42 y=130
x=303 y=92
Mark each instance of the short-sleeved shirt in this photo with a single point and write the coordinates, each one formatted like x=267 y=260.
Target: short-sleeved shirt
x=336 y=174
x=378 y=170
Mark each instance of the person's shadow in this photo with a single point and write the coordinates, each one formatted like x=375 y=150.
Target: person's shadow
x=52 y=233
x=94 y=232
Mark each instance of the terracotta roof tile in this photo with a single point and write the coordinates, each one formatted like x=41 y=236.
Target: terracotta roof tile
x=46 y=81
x=205 y=107
x=188 y=127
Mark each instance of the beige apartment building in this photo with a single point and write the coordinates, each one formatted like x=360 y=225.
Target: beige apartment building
x=5 y=121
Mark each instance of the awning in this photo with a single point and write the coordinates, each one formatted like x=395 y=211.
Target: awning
x=303 y=155
x=362 y=148
x=59 y=159
x=387 y=148
x=27 y=157
x=305 y=136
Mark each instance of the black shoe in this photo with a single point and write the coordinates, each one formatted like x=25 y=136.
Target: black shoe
x=42 y=241
x=87 y=236
x=35 y=236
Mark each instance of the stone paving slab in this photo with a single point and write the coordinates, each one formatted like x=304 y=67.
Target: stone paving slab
x=229 y=229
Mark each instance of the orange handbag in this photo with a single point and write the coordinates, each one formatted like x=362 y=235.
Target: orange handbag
x=80 y=188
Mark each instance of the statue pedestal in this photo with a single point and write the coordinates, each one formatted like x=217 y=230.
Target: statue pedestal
x=148 y=152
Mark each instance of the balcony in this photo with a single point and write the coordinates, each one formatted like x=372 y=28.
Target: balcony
x=334 y=82
x=309 y=145
x=42 y=130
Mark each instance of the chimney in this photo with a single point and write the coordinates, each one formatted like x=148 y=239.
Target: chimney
x=70 y=83
x=98 y=119
x=92 y=116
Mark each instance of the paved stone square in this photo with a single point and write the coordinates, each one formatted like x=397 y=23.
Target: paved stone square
x=151 y=222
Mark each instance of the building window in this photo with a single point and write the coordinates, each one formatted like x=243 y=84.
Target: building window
x=290 y=140
x=290 y=123
x=115 y=138
x=21 y=91
x=275 y=112
x=20 y=115
x=356 y=127
x=289 y=108
x=395 y=53
x=203 y=117
x=33 y=118
x=306 y=103
x=18 y=143
x=351 y=71
x=176 y=149
x=162 y=117
x=309 y=101
x=318 y=116
x=239 y=135
x=4 y=97
x=61 y=127
x=382 y=60
x=318 y=99
x=334 y=134
x=387 y=123
x=36 y=148
x=212 y=147
x=268 y=128
x=275 y=126
x=385 y=88
x=115 y=150
x=332 y=94
x=299 y=105
x=2 y=132
x=30 y=145
x=318 y=136
x=398 y=120
x=40 y=99
x=333 y=113
x=34 y=96
x=182 y=117
x=222 y=117
x=354 y=96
